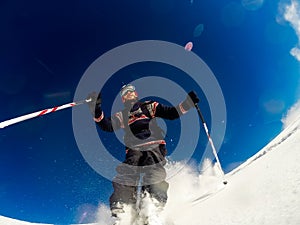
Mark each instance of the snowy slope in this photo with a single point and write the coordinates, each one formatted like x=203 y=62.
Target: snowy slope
x=263 y=190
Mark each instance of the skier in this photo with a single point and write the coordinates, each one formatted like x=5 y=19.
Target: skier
x=144 y=145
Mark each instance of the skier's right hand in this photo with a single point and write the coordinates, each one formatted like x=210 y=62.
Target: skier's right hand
x=95 y=104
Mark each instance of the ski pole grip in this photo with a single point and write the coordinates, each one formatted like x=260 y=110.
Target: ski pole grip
x=199 y=112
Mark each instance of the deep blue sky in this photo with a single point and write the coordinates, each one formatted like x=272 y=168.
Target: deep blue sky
x=46 y=46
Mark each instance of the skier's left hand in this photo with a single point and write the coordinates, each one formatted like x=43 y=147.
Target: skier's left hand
x=194 y=97
x=190 y=100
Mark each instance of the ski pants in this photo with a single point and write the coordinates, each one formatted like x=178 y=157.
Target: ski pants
x=141 y=167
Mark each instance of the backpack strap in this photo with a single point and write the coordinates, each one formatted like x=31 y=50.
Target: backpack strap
x=151 y=111
x=148 y=105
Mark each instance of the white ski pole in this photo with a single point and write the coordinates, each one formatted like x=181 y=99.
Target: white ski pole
x=41 y=113
x=211 y=142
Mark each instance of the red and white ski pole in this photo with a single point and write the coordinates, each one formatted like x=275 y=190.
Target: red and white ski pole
x=211 y=142
x=41 y=113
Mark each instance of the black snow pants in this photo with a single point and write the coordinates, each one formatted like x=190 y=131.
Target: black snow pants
x=141 y=167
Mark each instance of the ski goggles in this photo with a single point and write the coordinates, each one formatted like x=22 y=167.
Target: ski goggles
x=126 y=88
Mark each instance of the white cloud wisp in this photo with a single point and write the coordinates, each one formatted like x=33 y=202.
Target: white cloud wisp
x=292 y=15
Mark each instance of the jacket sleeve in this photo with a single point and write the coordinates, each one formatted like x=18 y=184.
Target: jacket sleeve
x=110 y=124
x=166 y=112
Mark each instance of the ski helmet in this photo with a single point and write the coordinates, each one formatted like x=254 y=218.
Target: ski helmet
x=125 y=88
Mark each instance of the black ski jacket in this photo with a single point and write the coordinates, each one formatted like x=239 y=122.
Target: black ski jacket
x=139 y=122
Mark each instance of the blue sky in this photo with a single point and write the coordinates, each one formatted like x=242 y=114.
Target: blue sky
x=252 y=48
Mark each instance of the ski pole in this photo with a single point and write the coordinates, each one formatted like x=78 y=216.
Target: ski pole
x=211 y=142
x=41 y=113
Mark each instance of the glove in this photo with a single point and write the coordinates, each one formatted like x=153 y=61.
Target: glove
x=194 y=97
x=95 y=104
x=190 y=100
